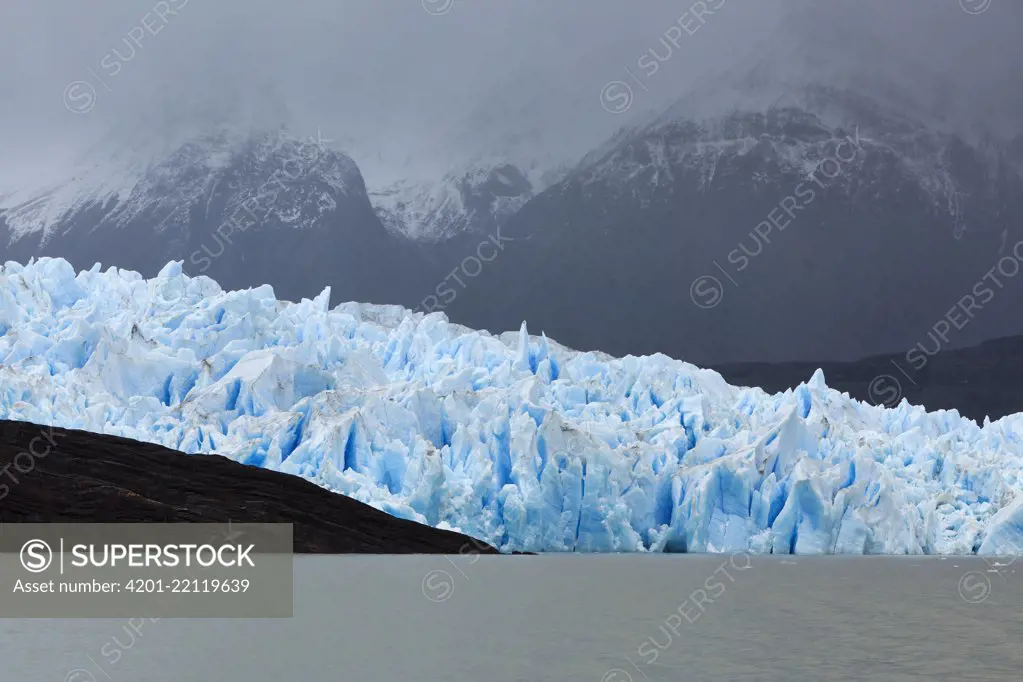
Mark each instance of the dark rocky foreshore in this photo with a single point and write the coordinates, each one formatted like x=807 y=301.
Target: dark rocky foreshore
x=77 y=476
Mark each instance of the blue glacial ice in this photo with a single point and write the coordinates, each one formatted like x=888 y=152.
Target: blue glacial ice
x=514 y=439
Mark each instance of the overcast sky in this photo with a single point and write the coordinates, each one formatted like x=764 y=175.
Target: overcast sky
x=397 y=83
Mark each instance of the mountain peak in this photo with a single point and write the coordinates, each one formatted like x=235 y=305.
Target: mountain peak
x=166 y=176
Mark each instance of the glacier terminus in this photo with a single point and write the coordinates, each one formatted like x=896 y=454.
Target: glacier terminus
x=513 y=439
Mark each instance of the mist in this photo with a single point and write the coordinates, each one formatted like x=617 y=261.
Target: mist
x=409 y=85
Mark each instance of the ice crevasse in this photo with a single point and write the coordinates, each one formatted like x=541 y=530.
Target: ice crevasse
x=513 y=439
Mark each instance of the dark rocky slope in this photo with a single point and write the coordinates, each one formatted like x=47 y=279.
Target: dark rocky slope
x=979 y=381
x=87 y=477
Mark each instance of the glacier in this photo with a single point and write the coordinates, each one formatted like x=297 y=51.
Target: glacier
x=511 y=438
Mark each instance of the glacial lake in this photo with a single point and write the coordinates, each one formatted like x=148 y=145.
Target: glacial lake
x=573 y=618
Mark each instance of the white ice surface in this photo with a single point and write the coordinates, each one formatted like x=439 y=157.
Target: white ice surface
x=513 y=439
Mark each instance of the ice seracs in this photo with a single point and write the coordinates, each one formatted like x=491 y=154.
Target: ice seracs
x=512 y=438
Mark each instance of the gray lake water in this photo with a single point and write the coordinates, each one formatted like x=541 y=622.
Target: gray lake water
x=573 y=618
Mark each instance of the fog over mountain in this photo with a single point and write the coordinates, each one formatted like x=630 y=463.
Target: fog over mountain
x=396 y=86
x=627 y=148
x=389 y=79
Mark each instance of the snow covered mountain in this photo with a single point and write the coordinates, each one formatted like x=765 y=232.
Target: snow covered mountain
x=476 y=201
x=129 y=187
x=757 y=220
x=513 y=439
x=229 y=204
x=299 y=181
